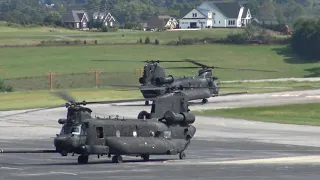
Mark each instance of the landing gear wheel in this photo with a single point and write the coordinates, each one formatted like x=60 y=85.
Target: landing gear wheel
x=117 y=159
x=145 y=157
x=143 y=115
x=146 y=103
x=182 y=155
x=204 y=101
x=83 y=159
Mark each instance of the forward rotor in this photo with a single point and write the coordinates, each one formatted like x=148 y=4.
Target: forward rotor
x=200 y=65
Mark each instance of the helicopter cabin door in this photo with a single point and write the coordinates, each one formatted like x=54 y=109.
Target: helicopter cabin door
x=100 y=135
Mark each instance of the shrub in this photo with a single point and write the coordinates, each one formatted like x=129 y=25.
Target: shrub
x=4 y=88
x=147 y=40
x=104 y=28
x=140 y=41
x=156 y=42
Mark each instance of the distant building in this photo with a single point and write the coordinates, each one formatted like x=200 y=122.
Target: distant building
x=216 y=14
x=77 y=19
x=103 y=17
x=160 y=22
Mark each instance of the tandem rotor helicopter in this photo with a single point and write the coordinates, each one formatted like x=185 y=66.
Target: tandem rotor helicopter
x=166 y=130
x=154 y=81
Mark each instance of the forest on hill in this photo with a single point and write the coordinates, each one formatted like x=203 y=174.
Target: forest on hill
x=125 y=11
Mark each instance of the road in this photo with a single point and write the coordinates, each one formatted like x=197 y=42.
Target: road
x=221 y=149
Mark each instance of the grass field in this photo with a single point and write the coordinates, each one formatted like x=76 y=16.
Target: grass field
x=303 y=114
x=35 y=61
x=22 y=36
x=43 y=98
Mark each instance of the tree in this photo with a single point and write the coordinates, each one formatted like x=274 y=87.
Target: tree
x=306 y=38
x=52 y=18
x=266 y=11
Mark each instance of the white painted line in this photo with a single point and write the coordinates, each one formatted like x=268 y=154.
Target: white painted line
x=11 y=168
x=282 y=160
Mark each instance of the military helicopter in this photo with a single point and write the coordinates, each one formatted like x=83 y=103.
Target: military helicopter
x=154 y=81
x=166 y=130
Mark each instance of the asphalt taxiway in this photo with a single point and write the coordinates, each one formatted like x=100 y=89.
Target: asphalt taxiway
x=222 y=148
x=221 y=159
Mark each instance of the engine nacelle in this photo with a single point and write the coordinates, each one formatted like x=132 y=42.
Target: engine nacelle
x=164 y=80
x=183 y=117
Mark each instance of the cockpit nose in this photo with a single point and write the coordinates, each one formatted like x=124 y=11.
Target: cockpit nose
x=67 y=140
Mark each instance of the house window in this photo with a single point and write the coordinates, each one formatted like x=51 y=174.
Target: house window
x=84 y=25
x=219 y=22
x=194 y=14
x=214 y=22
x=111 y=23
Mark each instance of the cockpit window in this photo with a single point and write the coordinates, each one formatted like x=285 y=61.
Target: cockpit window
x=75 y=130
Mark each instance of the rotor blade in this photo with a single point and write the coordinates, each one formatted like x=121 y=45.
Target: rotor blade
x=65 y=96
x=27 y=151
x=179 y=67
x=196 y=63
x=236 y=69
x=117 y=101
x=216 y=67
x=148 y=61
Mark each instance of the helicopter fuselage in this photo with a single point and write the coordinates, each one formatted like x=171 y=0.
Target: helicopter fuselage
x=124 y=137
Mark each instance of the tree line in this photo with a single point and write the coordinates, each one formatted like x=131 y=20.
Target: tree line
x=306 y=38
x=127 y=11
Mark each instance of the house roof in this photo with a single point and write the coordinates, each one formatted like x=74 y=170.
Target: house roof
x=157 y=22
x=229 y=9
x=73 y=16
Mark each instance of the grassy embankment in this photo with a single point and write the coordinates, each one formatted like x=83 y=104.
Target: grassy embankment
x=33 y=36
x=24 y=68
x=302 y=114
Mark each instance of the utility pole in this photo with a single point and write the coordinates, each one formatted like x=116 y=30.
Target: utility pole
x=50 y=78
x=96 y=75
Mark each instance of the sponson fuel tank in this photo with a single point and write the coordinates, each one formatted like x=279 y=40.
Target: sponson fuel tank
x=141 y=145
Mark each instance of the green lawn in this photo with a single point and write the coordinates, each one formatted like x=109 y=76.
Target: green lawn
x=21 y=36
x=302 y=114
x=40 y=99
x=43 y=98
x=35 y=61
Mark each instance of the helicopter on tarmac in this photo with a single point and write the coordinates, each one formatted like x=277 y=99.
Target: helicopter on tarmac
x=154 y=81
x=166 y=130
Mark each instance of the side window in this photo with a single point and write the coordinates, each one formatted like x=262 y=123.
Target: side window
x=167 y=134
x=99 y=132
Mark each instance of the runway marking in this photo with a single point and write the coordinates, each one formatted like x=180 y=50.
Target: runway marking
x=11 y=168
x=296 y=95
x=281 y=160
x=47 y=174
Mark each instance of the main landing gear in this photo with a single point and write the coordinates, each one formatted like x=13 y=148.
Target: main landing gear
x=83 y=159
x=117 y=159
x=204 y=101
x=182 y=155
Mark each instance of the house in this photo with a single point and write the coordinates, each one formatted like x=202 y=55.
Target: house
x=103 y=17
x=161 y=22
x=216 y=14
x=76 y=19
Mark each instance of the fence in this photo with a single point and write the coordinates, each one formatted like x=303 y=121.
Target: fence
x=93 y=78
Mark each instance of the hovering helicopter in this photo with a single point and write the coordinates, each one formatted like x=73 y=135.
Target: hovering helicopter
x=154 y=81
x=166 y=130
